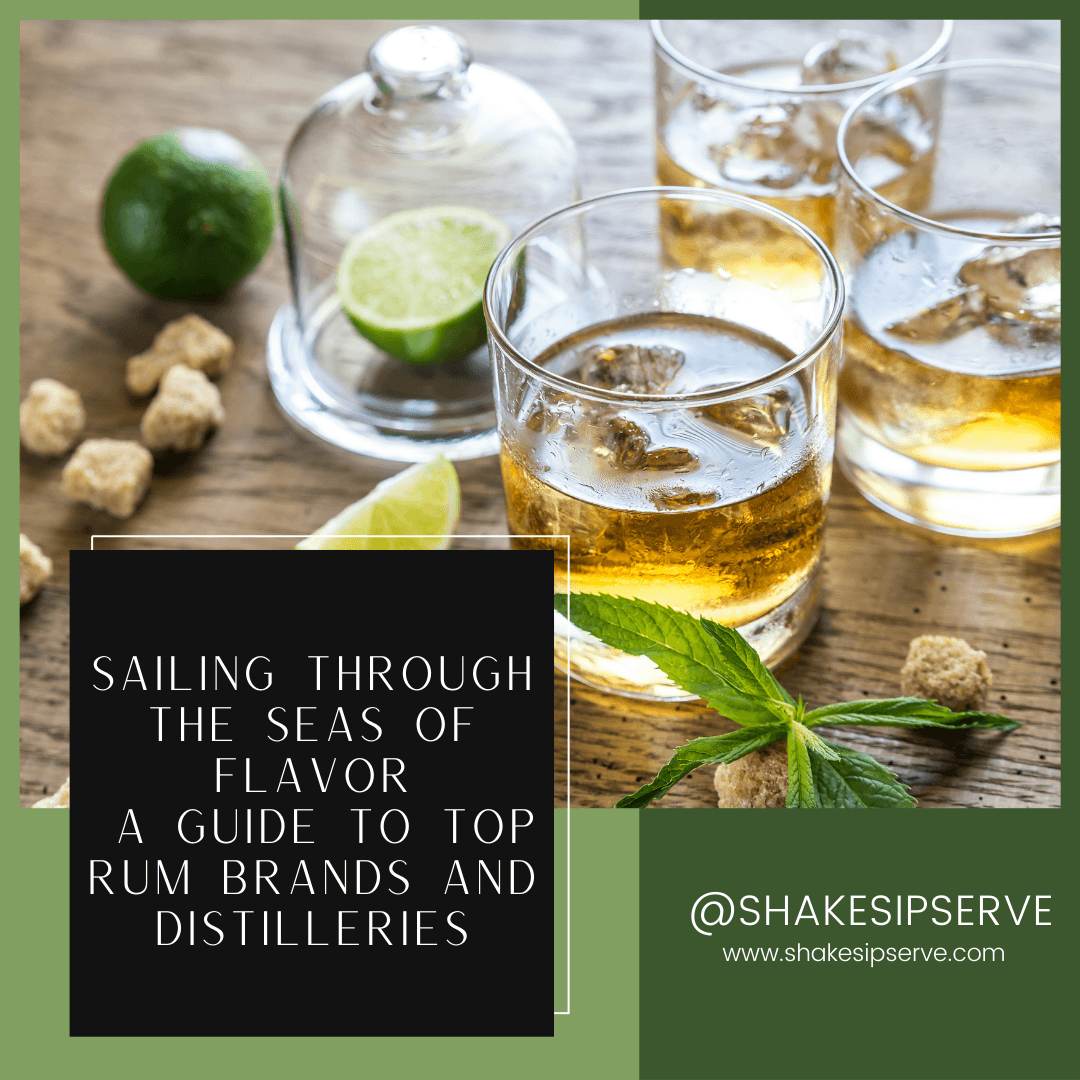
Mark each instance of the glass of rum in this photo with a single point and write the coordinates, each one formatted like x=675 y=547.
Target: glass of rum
x=752 y=106
x=665 y=409
x=950 y=391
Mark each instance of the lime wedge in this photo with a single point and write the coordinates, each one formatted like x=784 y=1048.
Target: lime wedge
x=416 y=510
x=412 y=283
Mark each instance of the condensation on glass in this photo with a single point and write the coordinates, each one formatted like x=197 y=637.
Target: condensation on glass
x=666 y=398
x=950 y=391
x=752 y=106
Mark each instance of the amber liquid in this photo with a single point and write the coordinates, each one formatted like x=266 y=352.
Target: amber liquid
x=731 y=563
x=987 y=399
x=816 y=212
x=727 y=525
x=951 y=419
x=906 y=182
x=951 y=423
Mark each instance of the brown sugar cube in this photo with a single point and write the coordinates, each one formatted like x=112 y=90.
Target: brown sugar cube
x=51 y=418
x=109 y=474
x=35 y=568
x=186 y=409
x=60 y=800
x=948 y=670
x=759 y=780
x=190 y=341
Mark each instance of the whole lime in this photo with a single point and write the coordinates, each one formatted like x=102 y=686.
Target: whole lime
x=188 y=213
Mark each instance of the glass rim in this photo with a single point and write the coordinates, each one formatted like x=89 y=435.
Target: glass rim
x=681 y=60
x=699 y=397
x=929 y=224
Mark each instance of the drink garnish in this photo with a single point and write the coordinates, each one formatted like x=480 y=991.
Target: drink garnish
x=412 y=283
x=718 y=664
x=417 y=509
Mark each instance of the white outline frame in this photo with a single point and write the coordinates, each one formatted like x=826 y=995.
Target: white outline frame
x=410 y=536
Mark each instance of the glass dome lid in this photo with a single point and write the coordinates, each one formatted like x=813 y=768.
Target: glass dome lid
x=423 y=127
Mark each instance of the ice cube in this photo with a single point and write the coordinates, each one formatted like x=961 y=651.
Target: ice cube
x=848 y=57
x=889 y=137
x=943 y=321
x=777 y=146
x=549 y=412
x=761 y=421
x=1018 y=283
x=702 y=101
x=886 y=152
x=672 y=458
x=635 y=369
x=540 y=418
x=621 y=442
x=678 y=497
x=1001 y=285
x=1034 y=223
x=1024 y=336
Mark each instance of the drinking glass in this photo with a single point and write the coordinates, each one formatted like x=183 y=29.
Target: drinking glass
x=669 y=409
x=950 y=391
x=752 y=106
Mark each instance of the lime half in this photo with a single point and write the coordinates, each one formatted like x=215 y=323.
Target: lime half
x=416 y=510
x=412 y=283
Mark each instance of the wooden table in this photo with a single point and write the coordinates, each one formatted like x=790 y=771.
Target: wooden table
x=91 y=90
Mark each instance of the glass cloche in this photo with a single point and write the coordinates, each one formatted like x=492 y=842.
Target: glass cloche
x=424 y=127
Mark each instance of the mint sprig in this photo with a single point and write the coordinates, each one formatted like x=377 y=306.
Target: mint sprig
x=905 y=712
x=718 y=664
x=854 y=781
x=800 y=776
x=712 y=750
x=707 y=660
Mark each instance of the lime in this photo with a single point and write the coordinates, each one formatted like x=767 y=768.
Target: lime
x=416 y=510
x=188 y=213
x=412 y=283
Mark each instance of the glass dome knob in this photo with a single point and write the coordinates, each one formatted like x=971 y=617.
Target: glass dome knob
x=418 y=61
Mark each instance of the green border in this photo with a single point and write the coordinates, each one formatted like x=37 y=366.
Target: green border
x=338 y=9
x=598 y=1039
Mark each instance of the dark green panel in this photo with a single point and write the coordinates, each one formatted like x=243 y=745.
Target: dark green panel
x=704 y=1015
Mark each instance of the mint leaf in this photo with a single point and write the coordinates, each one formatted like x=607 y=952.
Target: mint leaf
x=855 y=781
x=712 y=750
x=814 y=743
x=685 y=650
x=905 y=712
x=716 y=663
x=745 y=662
x=800 y=794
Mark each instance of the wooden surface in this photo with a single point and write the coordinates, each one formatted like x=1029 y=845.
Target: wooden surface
x=92 y=90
